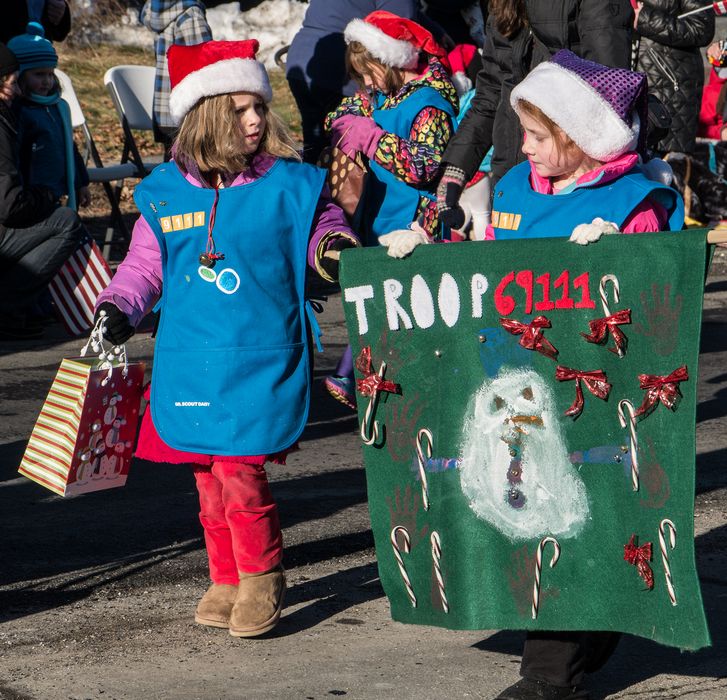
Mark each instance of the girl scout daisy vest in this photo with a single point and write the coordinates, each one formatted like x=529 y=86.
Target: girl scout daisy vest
x=231 y=362
x=519 y=212
x=390 y=203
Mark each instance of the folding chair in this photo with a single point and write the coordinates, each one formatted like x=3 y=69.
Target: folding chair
x=132 y=92
x=99 y=172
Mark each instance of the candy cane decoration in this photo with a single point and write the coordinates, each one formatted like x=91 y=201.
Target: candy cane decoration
x=437 y=559
x=424 y=433
x=397 y=555
x=370 y=434
x=539 y=566
x=667 y=524
x=633 y=438
x=604 y=298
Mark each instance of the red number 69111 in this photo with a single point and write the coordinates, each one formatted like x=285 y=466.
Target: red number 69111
x=540 y=287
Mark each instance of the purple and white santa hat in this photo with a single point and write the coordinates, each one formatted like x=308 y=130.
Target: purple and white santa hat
x=603 y=110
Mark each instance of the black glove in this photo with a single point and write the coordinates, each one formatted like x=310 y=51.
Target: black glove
x=449 y=191
x=117 y=329
x=330 y=263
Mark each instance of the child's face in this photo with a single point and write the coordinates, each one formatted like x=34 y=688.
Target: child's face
x=9 y=88
x=40 y=81
x=375 y=79
x=540 y=148
x=250 y=110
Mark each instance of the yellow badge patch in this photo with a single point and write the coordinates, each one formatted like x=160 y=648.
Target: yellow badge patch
x=179 y=222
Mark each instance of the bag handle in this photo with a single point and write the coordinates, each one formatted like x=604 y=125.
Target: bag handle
x=108 y=358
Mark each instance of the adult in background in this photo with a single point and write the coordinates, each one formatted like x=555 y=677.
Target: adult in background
x=173 y=22
x=54 y=15
x=316 y=66
x=520 y=35
x=668 y=51
x=36 y=235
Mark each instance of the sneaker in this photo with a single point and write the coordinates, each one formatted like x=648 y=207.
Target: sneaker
x=526 y=689
x=341 y=389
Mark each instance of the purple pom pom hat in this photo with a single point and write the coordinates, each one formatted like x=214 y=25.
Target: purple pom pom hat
x=603 y=110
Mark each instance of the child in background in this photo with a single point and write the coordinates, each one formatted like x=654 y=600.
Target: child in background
x=712 y=113
x=224 y=235
x=401 y=120
x=48 y=155
x=476 y=198
x=575 y=173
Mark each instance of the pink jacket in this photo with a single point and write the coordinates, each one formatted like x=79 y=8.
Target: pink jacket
x=137 y=284
x=647 y=216
x=711 y=122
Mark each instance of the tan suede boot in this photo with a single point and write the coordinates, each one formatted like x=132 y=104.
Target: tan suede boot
x=216 y=605
x=258 y=604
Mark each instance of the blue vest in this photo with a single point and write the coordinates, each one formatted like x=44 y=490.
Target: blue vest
x=520 y=212
x=390 y=203
x=231 y=369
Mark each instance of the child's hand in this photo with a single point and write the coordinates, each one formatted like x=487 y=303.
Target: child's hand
x=117 y=328
x=583 y=234
x=401 y=243
x=83 y=196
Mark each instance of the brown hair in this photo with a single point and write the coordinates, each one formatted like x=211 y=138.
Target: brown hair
x=360 y=63
x=210 y=136
x=509 y=15
x=562 y=141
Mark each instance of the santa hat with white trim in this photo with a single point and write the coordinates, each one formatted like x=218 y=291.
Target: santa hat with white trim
x=601 y=109
x=214 y=68
x=394 y=41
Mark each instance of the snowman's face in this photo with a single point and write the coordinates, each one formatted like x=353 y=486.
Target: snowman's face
x=516 y=403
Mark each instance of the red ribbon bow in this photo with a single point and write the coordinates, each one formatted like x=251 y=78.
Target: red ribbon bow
x=372 y=383
x=600 y=328
x=595 y=381
x=661 y=389
x=532 y=335
x=640 y=558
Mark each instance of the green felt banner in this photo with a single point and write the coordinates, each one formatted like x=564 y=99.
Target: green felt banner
x=495 y=503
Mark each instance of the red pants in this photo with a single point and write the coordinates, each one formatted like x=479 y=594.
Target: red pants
x=240 y=520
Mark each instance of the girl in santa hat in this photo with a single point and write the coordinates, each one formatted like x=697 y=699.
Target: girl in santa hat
x=584 y=126
x=401 y=120
x=221 y=247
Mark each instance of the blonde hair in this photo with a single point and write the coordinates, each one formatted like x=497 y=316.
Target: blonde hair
x=210 y=136
x=361 y=63
x=562 y=141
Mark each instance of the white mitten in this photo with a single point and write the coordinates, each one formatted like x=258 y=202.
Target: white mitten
x=583 y=234
x=400 y=243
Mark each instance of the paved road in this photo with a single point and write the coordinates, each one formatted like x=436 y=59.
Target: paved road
x=97 y=593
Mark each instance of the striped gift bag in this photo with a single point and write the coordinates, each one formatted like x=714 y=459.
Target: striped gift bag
x=83 y=438
x=76 y=287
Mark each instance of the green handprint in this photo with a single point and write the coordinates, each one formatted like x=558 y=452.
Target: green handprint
x=662 y=319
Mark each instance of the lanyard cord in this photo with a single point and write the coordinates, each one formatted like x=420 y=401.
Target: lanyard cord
x=210 y=253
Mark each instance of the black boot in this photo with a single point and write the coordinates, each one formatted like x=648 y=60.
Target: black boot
x=526 y=689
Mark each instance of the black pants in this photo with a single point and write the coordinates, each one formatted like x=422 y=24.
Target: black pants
x=314 y=104
x=562 y=658
x=30 y=257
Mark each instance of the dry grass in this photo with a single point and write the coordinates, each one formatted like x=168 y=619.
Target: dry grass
x=86 y=67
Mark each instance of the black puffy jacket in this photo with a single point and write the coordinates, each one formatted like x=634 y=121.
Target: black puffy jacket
x=597 y=30
x=668 y=52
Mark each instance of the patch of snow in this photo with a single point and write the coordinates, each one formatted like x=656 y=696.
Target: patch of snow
x=273 y=23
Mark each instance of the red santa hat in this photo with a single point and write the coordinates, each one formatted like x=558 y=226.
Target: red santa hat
x=460 y=58
x=214 y=68
x=393 y=40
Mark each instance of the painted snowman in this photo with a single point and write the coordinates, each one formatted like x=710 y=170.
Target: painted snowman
x=515 y=471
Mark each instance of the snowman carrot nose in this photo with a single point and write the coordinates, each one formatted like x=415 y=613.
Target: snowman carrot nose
x=533 y=420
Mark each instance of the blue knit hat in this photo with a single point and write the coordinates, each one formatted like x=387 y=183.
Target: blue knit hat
x=32 y=49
